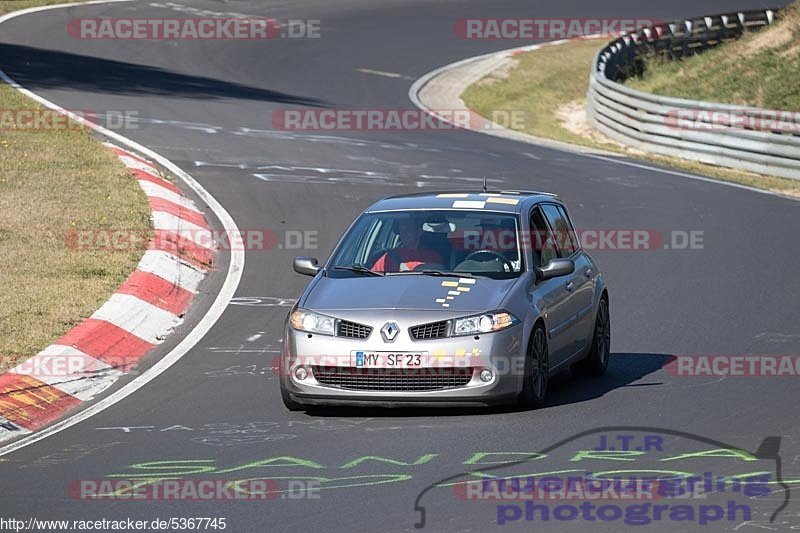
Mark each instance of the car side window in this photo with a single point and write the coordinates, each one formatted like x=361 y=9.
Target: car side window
x=562 y=228
x=573 y=236
x=542 y=239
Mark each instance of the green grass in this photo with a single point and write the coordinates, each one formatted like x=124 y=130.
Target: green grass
x=6 y=6
x=761 y=69
x=53 y=182
x=541 y=81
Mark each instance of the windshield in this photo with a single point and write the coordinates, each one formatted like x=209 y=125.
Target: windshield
x=431 y=242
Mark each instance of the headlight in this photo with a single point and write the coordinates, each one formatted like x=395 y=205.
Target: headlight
x=312 y=322
x=485 y=323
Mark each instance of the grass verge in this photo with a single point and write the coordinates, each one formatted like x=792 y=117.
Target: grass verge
x=550 y=85
x=7 y=6
x=52 y=182
x=762 y=69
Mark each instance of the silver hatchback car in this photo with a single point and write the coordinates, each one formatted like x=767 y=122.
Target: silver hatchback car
x=447 y=298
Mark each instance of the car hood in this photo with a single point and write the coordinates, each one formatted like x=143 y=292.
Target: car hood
x=407 y=292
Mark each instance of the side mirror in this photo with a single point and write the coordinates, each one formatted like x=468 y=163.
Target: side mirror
x=555 y=268
x=308 y=266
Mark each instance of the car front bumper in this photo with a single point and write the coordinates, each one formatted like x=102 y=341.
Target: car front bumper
x=501 y=352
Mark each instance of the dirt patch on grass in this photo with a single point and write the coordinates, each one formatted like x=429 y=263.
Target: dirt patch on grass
x=501 y=73
x=777 y=37
x=572 y=117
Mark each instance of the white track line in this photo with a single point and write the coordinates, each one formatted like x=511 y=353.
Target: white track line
x=232 y=277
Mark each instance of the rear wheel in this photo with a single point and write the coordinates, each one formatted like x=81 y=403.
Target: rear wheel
x=537 y=370
x=596 y=362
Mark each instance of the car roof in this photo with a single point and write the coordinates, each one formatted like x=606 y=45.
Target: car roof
x=509 y=201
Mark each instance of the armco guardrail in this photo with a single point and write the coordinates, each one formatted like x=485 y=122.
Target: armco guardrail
x=745 y=138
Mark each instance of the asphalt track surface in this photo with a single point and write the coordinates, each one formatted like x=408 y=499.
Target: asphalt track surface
x=209 y=106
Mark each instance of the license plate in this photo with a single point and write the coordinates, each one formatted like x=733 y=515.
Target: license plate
x=388 y=359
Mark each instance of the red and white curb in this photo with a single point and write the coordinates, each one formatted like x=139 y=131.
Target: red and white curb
x=145 y=309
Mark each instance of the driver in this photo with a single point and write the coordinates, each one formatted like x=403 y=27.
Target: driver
x=408 y=255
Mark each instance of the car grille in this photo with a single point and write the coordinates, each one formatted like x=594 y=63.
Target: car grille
x=434 y=330
x=345 y=328
x=406 y=380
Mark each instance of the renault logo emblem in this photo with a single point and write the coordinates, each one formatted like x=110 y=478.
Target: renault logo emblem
x=389 y=331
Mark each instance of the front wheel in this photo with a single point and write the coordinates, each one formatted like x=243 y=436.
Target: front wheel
x=596 y=362
x=537 y=370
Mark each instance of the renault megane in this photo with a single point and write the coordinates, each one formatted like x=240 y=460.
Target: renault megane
x=442 y=298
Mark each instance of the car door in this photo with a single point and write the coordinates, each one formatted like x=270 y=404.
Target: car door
x=578 y=285
x=551 y=296
x=584 y=276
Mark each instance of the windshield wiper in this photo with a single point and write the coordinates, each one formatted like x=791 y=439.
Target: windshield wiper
x=448 y=273
x=358 y=268
x=432 y=272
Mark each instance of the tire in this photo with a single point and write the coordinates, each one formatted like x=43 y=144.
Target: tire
x=289 y=403
x=537 y=368
x=596 y=362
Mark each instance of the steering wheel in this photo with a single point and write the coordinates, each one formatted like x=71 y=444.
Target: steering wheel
x=493 y=255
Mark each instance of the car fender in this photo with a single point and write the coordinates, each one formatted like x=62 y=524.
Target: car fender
x=518 y=301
